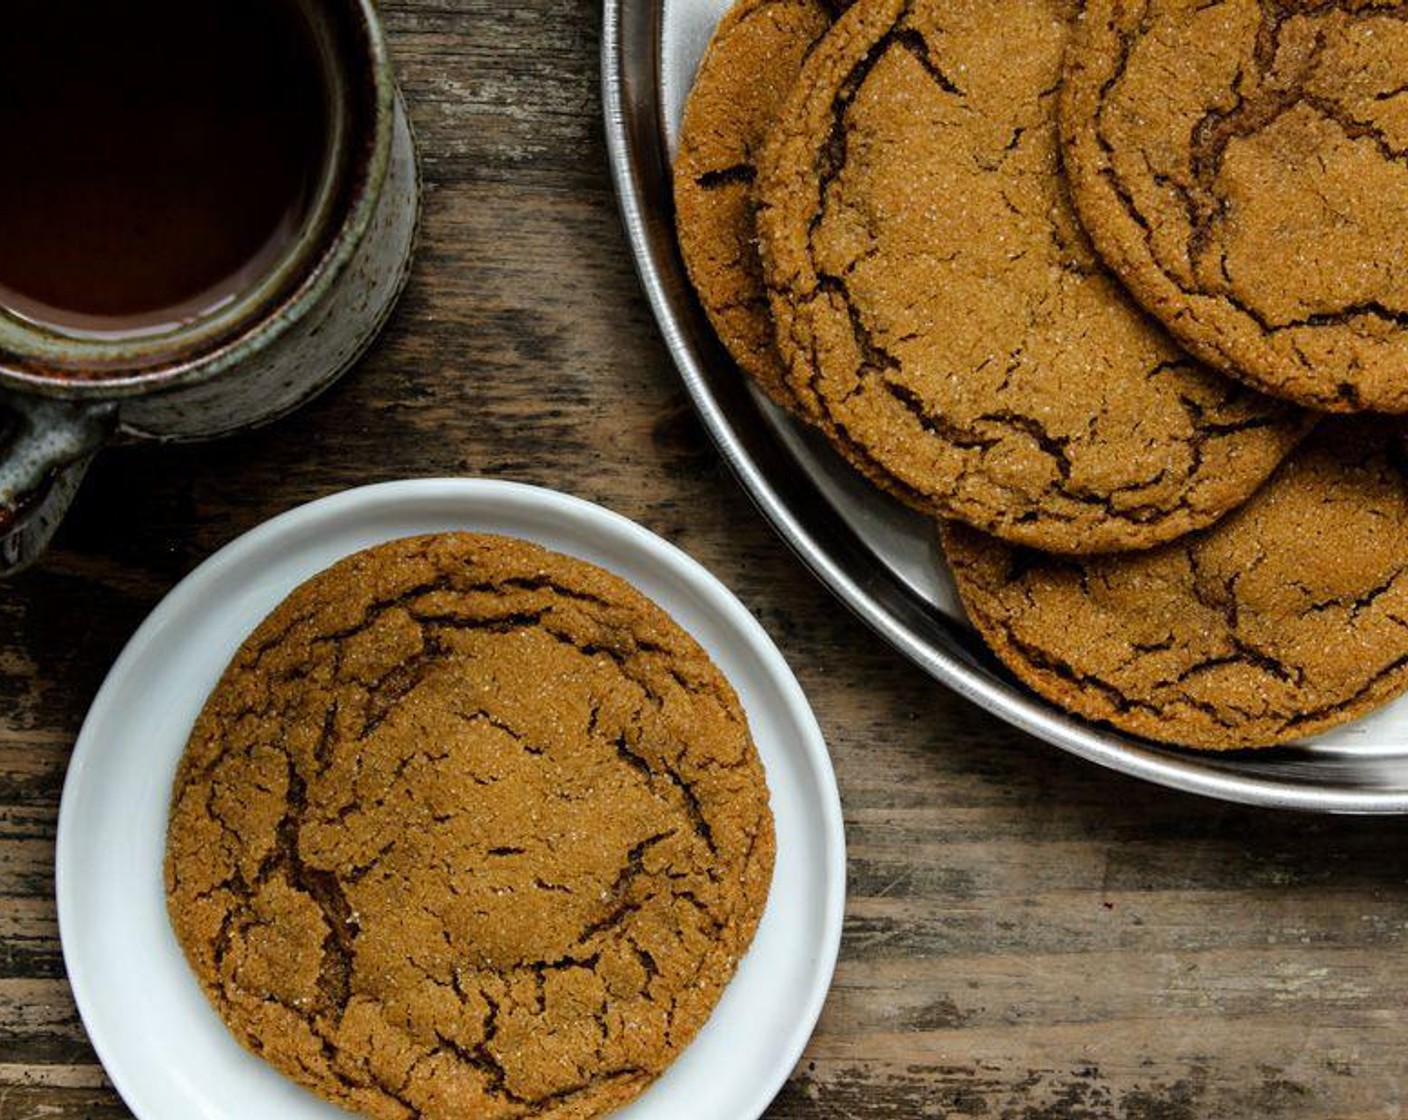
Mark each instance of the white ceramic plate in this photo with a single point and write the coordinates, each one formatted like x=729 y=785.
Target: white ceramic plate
x=165 y=1049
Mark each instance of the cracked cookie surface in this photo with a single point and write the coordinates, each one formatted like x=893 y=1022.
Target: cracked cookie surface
x=941 y=316
x=468 y=828
x=1243 y=166
x=1285 y=619
x=747 y=72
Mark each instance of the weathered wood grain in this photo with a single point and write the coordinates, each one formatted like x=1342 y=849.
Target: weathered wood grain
x=1028 y=938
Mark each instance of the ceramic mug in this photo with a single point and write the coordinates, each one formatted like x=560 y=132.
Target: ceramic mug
x=63 y=397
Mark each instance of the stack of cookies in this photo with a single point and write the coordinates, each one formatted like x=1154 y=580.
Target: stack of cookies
x=1079 y=284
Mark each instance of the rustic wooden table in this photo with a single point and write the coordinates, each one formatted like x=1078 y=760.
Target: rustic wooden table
x=1027 y=938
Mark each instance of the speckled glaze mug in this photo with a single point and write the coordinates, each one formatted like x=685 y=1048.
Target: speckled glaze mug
x=63 y=396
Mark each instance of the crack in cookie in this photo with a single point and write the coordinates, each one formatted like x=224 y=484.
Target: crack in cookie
x=468 y=828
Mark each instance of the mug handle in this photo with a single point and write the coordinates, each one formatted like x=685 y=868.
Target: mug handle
x=45 y=448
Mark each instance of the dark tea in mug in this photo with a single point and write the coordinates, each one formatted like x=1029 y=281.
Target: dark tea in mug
x=163 y=155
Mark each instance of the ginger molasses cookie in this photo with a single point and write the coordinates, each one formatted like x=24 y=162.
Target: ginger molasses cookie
x=468 y=828
x=941 y=315
x=1240 y=164
x=1286 y=618
x=747 y=72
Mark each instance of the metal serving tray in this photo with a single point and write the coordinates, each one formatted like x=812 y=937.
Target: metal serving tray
x=880 y=559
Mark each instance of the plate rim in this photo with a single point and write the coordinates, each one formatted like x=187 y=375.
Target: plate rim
x=813 y=752
x=875 y=598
